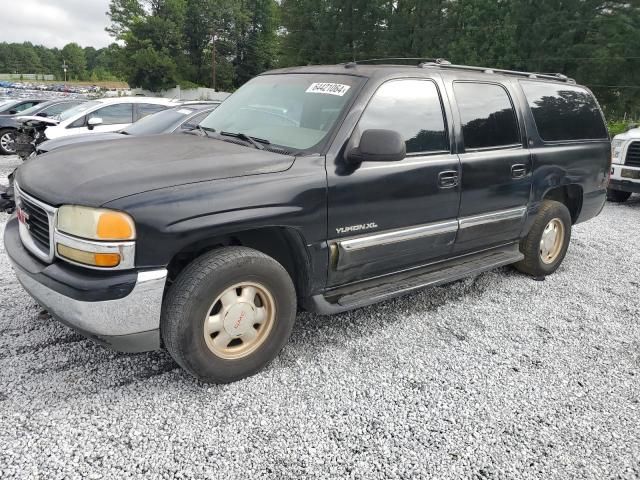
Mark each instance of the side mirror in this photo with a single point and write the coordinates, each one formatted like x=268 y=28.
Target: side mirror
x=379 y=146
x=188 y=126
x=13 y=112
x=94 y=122
x=41 y=114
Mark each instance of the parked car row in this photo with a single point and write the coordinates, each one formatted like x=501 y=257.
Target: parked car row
x=77 y=117
x=173 y=120
x=50 y=87
x=327 y=188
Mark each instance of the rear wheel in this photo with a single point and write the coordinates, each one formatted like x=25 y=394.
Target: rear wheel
x=228 y=314
x=546 y=245
x=617 y=196
x=7 y=141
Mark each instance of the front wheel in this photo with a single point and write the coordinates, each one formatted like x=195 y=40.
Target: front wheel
x=617 y=196
x=546 y=244
x=7 y=141
x=228 y=314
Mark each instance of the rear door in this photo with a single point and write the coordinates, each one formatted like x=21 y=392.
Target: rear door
x=495 y=162
x=388 y=216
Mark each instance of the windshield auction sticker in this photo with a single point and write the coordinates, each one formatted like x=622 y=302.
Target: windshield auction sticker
x=329 y=88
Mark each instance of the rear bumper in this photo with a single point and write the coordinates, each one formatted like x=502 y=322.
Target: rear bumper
x=119 y=310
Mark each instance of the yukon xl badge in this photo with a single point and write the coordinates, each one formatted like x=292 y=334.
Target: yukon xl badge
x=356 y=228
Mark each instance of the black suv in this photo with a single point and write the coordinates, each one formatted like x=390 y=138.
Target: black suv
x=325 y=187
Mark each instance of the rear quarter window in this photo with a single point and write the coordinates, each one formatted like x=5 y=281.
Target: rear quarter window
x=564 y=112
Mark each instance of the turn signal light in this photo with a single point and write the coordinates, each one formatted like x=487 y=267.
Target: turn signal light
x=105 y=260
x=114 y=225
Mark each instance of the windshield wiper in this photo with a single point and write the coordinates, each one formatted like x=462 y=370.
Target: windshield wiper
x=255 y=141
x=205 y=130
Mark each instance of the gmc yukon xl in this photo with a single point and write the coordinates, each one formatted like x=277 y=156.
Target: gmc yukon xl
x=326 y=188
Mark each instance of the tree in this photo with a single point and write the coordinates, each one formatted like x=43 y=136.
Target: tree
x=76 y=62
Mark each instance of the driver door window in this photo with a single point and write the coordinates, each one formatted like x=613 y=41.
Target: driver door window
x=411 y=108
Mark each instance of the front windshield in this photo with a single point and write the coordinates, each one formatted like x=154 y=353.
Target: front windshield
x=83 y=107
x=159 y=122
x=296 y=111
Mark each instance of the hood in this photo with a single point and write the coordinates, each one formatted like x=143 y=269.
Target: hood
x=50 y=145
x=95 y=173
x=37 y=119
x=628 y=135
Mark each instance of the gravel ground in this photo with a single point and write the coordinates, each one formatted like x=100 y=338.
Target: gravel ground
x=496 y=377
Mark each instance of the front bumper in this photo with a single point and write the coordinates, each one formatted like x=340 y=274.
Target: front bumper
x=120 y=310
x=621 y=180
x=625 y=186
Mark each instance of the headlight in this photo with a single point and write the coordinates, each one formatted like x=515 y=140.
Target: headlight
x=616 y=151
x=95 y=223
x=95 y=237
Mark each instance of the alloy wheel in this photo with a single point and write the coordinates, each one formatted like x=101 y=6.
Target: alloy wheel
x=239 y=320
x=552 y=241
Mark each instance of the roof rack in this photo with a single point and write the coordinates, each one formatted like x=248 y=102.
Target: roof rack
x=423 y=62
x=545 y=76
x=418 y=61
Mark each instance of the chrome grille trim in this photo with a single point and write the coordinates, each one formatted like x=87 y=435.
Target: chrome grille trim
x=30 y=241
x=632 y=158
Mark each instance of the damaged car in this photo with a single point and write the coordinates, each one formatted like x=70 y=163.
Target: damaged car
x=9 y=124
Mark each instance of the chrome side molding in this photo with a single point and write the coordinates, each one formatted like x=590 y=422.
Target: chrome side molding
x=400 y=235
x=355 y=244
x=498 y=216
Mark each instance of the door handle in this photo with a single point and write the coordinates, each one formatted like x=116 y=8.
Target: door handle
x=448 y=179
x=518 y=171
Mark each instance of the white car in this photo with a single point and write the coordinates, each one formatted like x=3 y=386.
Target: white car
x=106 y=115
x=625 y=166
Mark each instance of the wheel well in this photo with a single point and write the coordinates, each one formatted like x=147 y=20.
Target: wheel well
x=570 y=196
x=285 y=245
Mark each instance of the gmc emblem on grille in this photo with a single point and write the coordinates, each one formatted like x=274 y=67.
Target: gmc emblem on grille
x=22 y=217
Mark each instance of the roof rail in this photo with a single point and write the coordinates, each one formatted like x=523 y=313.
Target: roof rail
x=441 y=62
x=545 y=76
x=418 y=61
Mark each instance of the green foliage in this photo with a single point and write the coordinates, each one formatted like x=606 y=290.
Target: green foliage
x=74 y=57
x=168 y=42
x=83 y=64
x=617 y=127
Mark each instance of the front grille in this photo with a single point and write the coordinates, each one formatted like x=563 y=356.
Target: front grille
x=633 y=155
x=38 y=222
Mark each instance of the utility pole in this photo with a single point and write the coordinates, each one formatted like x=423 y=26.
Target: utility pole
x=213 y=60
x=64 y=67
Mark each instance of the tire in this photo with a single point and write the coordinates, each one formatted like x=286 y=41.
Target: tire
x=203 y=297
x=542 y=260
x=7 y=141
x=618 y=196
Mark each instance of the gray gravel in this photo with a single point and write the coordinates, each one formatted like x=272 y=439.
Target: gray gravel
x=495 y=377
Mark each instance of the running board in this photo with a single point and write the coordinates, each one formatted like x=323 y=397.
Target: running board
x=373 y=291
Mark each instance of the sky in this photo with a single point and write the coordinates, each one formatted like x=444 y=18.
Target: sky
x=54 y=23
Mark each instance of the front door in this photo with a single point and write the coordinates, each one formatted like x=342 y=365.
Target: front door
x=387 y=216
x=496 y=166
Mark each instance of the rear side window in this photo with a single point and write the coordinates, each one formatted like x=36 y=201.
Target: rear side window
x=564 y=112
x=117 y=114
x=145 y=109
x=487 y=115
x=411 y=108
